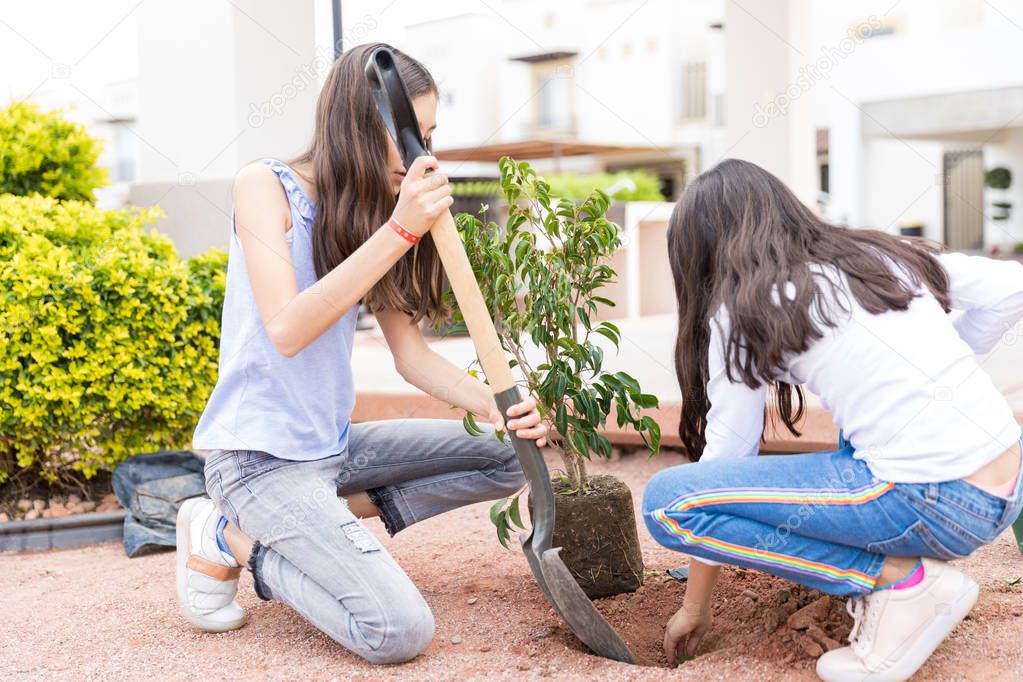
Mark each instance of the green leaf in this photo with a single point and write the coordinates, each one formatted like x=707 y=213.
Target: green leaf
x=499 y=517
x=458 y=328
x=561 y=385
x=521 y=250
x=584 y=317
x=650 y=428
x=607 y=333
x=496 y=510
x=579 y=441
x=622 y=413
x=561 y=419
x=628 y=381
x=502 y=531
x=469 y=422
x=644 y=400
x=513 y=512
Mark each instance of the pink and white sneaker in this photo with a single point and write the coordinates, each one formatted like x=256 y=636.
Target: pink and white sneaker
x=895 y=631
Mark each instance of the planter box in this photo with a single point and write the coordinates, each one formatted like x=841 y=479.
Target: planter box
x=65 y=532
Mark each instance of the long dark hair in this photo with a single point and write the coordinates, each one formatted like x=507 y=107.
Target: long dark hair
x=737 y=235
x=354 y=197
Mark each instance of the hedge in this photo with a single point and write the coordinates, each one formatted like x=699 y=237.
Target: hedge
x=108 y=340
x=44 y=153
x=580 y=187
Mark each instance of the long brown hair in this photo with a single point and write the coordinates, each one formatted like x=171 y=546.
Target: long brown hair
x=354 y=197
x=737 y=235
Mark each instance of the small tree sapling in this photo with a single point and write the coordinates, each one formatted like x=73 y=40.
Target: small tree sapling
x=542 y=273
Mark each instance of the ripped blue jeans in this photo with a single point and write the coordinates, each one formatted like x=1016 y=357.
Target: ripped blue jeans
x=313 y=554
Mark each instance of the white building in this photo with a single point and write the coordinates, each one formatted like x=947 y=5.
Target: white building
x=894 y=107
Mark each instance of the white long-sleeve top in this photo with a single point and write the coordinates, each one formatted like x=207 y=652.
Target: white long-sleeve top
x=904 y=386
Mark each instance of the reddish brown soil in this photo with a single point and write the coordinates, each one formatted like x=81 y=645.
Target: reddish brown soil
x=91 y=613
x=750 y=611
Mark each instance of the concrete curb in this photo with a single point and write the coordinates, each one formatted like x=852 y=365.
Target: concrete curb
x=65 y=532
x=819 y=433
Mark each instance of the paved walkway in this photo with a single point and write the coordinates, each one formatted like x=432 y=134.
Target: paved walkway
x=647 y=353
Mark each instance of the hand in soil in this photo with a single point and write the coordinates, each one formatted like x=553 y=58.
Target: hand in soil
x=683 y=634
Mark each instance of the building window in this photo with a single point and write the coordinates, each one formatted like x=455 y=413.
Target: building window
x=693 y=91
x=718 y=115
x=555 y=107
x=125 y=152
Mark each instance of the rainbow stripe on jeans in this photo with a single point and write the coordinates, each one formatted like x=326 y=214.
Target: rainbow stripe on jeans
x=860 y=495
x=728 y=524
x=763 y=557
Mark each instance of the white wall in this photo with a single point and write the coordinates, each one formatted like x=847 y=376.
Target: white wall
x=901 y=185
x=221 y=84
x=1008 y=152
x=469 y=104
x=759 y=53
x=954 y=47
x=625 y=72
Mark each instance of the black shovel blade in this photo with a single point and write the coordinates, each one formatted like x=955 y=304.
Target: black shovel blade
x=395 y=105
x=533 y=559
x=551 y=573
x=582 y=616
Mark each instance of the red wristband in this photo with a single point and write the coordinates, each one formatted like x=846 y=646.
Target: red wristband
x=408 y=236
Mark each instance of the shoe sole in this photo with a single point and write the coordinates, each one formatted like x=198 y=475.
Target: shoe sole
x=932 y=636
x=184 y=522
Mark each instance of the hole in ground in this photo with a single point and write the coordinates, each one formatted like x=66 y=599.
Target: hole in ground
x=752 y=616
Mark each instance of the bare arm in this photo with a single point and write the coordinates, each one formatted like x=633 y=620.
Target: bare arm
x=295 y=319
x=433 y=374
x=700 y=585
x=688 y=626
x=417 y=364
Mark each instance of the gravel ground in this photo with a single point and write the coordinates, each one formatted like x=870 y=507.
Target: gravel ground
x=94 y=614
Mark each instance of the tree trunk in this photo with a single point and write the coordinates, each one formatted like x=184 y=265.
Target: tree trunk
x=571 y=462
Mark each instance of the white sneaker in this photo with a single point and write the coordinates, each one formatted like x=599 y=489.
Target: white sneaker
x=895 y=631
x=207 y=577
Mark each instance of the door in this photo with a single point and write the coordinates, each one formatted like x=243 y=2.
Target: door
x=963 y=214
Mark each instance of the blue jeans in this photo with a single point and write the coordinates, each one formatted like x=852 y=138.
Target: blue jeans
x=821 y=519
x=311 y=551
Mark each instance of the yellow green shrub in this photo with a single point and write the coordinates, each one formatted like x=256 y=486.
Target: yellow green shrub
x=41 y=152
x=108 y=340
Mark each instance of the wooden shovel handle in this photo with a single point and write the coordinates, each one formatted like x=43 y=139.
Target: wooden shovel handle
x=470 y=302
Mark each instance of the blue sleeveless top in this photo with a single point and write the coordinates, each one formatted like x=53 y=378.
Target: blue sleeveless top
x=296 y=408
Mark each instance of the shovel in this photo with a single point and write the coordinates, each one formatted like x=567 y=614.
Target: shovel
x=554 y=578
